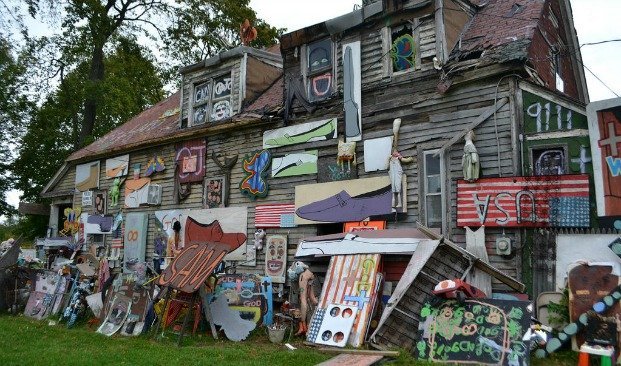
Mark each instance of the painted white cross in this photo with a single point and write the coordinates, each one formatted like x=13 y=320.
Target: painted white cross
x=612 y=140
x=583 y=159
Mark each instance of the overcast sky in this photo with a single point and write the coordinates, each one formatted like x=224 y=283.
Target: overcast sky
x=595 y=21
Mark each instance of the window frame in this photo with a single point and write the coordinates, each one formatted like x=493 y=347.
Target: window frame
x=210 y=100
x=308 y=74
x=425 y=189
x=531 y=158
x=387 y=45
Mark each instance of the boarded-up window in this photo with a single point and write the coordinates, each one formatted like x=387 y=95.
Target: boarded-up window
x=433 y=187
x=212 y=100
x=319 y=69
x=403 y=48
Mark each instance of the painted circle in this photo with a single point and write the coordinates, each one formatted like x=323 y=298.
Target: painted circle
x=325 y=336
x=608 y=300
x=617 y=224
x=335 y=311
x=347 y=313
x=583 y=319
x=338 y=337
x=599 y=307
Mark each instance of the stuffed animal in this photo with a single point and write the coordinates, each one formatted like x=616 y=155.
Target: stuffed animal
x=259 y=236
x=346 y=153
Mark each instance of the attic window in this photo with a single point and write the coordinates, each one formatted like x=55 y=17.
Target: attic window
x=319 y=69
x=211 y=100
x=403 y=48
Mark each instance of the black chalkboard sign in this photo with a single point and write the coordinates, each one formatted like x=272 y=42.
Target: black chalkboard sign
x=481 y=331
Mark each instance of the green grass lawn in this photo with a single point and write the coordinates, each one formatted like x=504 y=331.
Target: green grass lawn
x=24 y=341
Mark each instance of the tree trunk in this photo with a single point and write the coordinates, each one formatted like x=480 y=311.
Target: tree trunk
x=95 y=77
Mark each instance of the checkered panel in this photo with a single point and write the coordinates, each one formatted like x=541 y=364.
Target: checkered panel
x=315 y=324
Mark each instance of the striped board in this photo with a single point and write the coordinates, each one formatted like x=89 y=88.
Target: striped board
x=537 y=201
x=276 y=215
x=350 y=280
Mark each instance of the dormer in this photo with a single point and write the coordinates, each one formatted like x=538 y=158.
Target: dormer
x=214 y=90
x=390 y=41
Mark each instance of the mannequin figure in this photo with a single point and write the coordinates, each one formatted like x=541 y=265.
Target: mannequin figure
x=305 y=277
x=470 y=160
x=395 y=171
x=259 y=236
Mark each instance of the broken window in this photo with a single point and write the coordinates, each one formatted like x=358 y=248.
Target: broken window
x=549 y=160
x=319 y=72
x=433 y=189
x=403 y=48
x=211 y=100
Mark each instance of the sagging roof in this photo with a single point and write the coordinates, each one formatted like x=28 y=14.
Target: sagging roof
x=149 y=126
x=500 y=31
x=269 y=100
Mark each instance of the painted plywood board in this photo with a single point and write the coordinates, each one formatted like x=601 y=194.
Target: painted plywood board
x=294 y=164
x=350 y=280
x=299 y=134
x=117 y=166
x=352 y=91
x=354 y=244
x=87 y=176
x=605 y=132
x=509 y=319
x=136 y=192
x=230 y=220
x=349 y=200
x=540 y=201
x=336 y=325
x=376 y=153
x=571 y=248
x=190 y=160
x=276 y=257
x=135 y=239
x=97 y=224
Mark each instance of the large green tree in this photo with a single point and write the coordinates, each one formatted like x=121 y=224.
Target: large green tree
x=14 y=105
x=131 y=84
x=190 y=30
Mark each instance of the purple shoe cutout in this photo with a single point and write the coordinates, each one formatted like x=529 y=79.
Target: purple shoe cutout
x=342 y=207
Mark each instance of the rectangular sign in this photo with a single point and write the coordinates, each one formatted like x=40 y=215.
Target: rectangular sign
x=538 y=201
x=605 y=132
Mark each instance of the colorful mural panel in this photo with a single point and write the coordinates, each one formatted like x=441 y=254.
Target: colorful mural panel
x=254 y=184
x=137 y=192
x=135 y=240
x=171 y=242
x=117 y=166
x=215 y=191
x=190 y=161
x=475 y=331
x=299 y=134
x=244 y=293
x=295 y=164
x=87 y=176
x=351 y=200
x=605 y=132
x=205 y=245
x=539 y=201
x=350 y=280
x=276 y=257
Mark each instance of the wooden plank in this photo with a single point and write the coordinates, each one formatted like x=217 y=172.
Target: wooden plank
x=347 y=359
x=488 y=112
x=485 y=267
x=358 y=351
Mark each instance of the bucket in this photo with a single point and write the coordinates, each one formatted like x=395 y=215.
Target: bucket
x=276 y=335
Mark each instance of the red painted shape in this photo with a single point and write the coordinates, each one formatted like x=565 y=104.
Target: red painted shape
x=205 y=247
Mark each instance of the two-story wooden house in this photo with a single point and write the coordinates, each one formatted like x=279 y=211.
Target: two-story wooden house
x=253 y=142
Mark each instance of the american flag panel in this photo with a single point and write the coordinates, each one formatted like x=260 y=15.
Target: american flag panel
x=351 y=280
x=276 y=215
x=537 y=201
